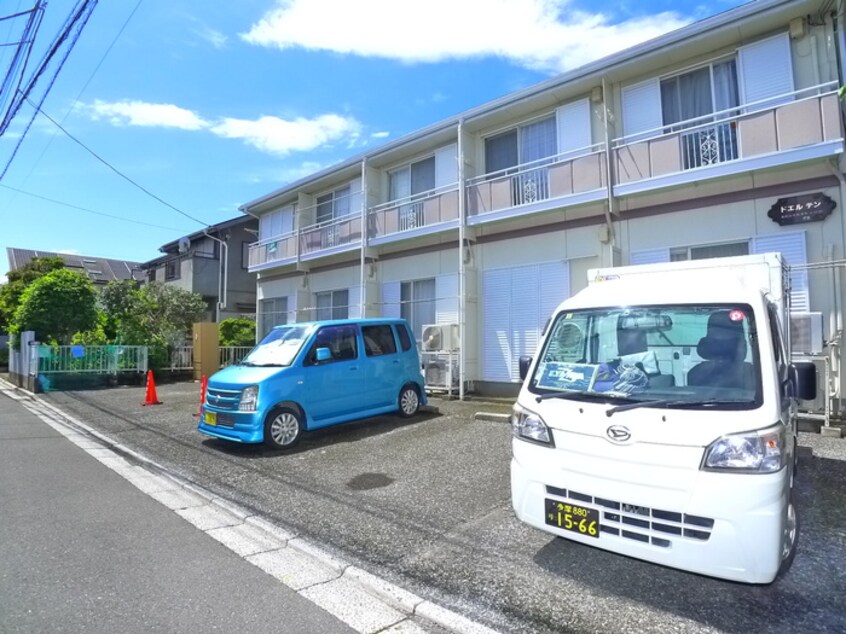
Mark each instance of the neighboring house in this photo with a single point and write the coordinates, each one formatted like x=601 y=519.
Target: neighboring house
x=722 y=138
x=195 y=263
x=100 y=271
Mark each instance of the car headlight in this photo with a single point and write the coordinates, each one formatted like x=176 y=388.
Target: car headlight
x=527 y=425
x=249 y=399
x=758 y=451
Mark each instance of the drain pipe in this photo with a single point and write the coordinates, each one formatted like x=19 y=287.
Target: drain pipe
x=223 y=271
x=608 y=172
x=462 y=269
x=364 y=238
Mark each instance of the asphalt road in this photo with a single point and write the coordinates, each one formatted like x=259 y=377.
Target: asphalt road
x=425 y=504
x=83 y=550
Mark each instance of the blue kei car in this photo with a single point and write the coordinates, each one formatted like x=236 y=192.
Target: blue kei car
x=310 y=375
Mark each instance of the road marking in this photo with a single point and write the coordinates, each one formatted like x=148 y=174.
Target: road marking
x=365 y=602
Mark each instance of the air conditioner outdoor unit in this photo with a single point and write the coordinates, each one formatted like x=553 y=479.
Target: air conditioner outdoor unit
x=437 y=373
x=439 y=337
x=806 y=333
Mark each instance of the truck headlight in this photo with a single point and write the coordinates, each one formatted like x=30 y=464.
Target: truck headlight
x=249 y=399
x=758 y=451
x=527 y=425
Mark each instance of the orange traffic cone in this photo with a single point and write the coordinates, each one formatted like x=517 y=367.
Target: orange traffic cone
x=151 y=397
x=204 y=383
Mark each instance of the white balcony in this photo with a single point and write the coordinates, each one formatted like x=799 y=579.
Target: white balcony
x=799 y=126
x=276 y=250
x=571 y=178
x=333 y=236
x=432 y=211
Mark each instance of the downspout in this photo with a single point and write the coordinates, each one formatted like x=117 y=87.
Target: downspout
x=223 y=271
x=364 y=238
x=609 y=180
x=462 y=269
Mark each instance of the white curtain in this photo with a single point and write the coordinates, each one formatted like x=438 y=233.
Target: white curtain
x=537 y=140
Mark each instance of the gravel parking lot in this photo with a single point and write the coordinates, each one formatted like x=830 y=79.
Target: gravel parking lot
x=426 y=504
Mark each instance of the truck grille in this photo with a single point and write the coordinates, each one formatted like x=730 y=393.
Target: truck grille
x=223 y=399
x=640 y=523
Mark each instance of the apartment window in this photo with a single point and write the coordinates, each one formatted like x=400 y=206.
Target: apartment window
x=245 y=255
x=407 y=182
x=272 y=312
x=172 y=270
x=332 y=305
x=530 y=144
x=524 y=144
x=418 y=304
x=709 y=251
x=335 y=204
x=695 y=95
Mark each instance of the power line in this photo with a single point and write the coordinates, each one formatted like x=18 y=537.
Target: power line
x=114 y=169
x=91 y=211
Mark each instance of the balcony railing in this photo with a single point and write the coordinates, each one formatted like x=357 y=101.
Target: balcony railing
x=274 y=249
x=330 y=234
x=414 y=212
x=790 y=127
x=552 y=178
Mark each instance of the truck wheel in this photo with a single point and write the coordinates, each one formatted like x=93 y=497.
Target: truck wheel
x=790 y=541
x=283 y=428
x=409 y=401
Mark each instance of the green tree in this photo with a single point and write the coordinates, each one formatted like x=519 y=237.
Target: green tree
x=56 y=306
x=237 y=331
x=17 y=282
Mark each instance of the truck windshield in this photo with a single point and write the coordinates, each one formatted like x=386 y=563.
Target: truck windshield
x=279 y=347
x=673 y=356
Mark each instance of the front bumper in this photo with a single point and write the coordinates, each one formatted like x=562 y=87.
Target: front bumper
x=244 y=427
x=729 y=526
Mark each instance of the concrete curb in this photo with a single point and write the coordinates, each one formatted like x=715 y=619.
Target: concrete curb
x=243 y=531
x=491 y=417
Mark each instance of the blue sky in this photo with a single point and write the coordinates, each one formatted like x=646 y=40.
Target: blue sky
x=211 y=104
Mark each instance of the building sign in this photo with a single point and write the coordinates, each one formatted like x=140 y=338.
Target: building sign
x=794 y=210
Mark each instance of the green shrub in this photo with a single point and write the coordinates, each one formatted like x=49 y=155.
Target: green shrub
x=237 y=331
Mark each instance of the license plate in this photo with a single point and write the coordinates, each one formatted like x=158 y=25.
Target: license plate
x=572 y=517
x=211 y=418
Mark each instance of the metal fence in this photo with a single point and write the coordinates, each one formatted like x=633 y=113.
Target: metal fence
x=182 y=358
x=88 y=359
x=230 y=355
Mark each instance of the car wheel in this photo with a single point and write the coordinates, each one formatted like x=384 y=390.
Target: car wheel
x=409 y=401
x=283 y=428
x=790 y=539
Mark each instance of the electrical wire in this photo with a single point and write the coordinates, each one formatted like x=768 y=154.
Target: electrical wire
x=114 y=169
x=91 y=211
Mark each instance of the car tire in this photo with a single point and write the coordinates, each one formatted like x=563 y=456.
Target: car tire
x=408 y=401
x=283 y=428
x=790 y=541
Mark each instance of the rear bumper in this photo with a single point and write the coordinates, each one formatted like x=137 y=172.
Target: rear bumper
x=729 y=526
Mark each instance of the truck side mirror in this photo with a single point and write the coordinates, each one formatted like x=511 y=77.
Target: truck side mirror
x=525 y=362
x=323 y=354
x=803 y=375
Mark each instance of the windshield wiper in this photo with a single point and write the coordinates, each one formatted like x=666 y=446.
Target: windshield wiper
x=712 y=402
x=581 y=395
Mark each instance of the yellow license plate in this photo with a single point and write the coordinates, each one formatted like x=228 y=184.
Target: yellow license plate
x=211 y=418
x=572 y=517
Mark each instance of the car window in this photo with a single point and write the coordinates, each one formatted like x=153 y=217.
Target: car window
x=404 y=337
x=341 y=341
x=378 y=340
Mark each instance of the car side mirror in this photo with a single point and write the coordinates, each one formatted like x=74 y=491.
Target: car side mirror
x=525 y=362
x=803 y=376
x=322 y=354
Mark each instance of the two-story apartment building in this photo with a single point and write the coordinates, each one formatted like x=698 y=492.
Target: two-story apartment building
x=214 y=263
x=708 y=141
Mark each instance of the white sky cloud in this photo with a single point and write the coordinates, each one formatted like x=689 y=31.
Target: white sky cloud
x=268 y=134
x=383 y=134
x=140 y=113
x=278 y=136
x=544 y=35
x=212 y=36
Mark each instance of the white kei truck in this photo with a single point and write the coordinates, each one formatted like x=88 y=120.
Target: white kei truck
x=658 y=418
